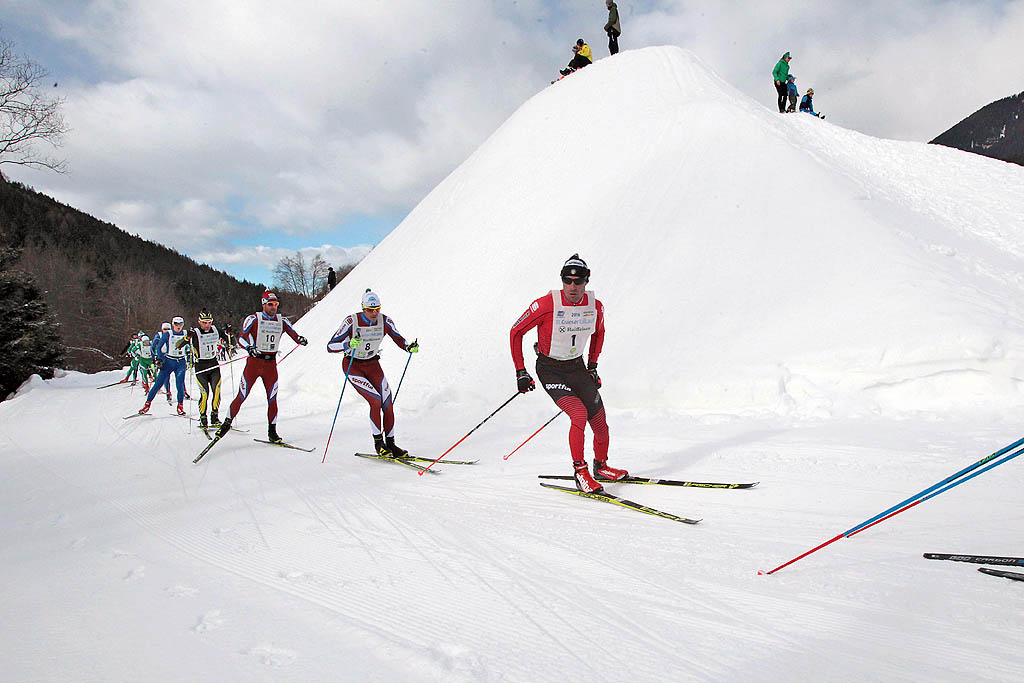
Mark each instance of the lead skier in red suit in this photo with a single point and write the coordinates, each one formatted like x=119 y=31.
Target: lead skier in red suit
x=565 y=320
x=261 y=338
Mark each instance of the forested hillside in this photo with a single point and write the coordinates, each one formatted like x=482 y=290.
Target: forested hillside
x=103 y=283
x=996 y=130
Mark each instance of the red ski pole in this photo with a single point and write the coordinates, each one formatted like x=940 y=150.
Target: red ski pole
x=533 y=435
x=467 y=435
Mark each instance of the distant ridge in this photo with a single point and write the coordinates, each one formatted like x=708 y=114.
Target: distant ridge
x=996 y=130
x=103 y=283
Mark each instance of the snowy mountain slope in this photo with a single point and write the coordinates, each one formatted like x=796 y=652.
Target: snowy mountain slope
x=759 y=262
x=846 y=354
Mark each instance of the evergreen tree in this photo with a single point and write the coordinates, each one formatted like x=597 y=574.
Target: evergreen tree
x=29 y=339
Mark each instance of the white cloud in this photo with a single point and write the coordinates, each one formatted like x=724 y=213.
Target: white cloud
x=212 y=118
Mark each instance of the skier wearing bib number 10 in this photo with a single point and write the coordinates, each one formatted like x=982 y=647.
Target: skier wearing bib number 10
x=261 y=338
x=359 y=338
x=565 y=320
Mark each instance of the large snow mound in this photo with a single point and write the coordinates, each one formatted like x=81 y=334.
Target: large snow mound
x=748 y=261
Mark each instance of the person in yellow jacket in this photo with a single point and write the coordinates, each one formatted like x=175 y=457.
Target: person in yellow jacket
x=582 y=57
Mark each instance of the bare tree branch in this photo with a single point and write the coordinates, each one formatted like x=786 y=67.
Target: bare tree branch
x=27 y=115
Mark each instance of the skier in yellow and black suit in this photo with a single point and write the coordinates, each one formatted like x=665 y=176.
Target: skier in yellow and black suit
x=204 y=340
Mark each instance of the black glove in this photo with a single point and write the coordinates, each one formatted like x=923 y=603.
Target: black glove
x=525 y=381
x=413 y=346
x=253 y=351
x=303 y=341
x=592 y=371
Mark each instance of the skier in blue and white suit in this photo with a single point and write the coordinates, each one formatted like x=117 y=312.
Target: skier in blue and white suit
x=172 y=360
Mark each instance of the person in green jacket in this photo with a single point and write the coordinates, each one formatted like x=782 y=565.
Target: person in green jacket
x=779 y=74
x=612 y=28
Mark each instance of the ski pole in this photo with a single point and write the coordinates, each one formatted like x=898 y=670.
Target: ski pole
x=344 y=384
x=533 y=435
x=222 y=365
x=467 y=435
x=1011 y=456
x=931 y=488
x=913 y=500
x=403 y=376
x=288 y=354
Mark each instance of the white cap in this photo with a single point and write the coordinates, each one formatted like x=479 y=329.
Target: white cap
x=370 y=299
x=165 y=326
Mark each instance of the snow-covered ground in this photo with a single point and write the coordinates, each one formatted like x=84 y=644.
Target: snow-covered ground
x=835 y=316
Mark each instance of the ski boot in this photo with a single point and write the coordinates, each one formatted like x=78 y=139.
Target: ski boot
x=379 y=447
x=225 y=427
x=395 y=450
x=584 y=481
x=214 y=420
x=602 y=470
x=144 y=409
x=272 y=435
x=123 y=381
x=202 y=421
x=181 y=410
x=566 y=71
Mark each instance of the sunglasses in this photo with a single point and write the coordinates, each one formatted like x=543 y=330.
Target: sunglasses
x=575 y=280
x=371 y=308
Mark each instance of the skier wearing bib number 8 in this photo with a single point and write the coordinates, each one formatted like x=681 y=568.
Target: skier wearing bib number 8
x=359 y=338
x=261 y=338
x=565 y=320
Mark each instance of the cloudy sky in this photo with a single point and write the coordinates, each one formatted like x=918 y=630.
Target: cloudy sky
x=238 y=131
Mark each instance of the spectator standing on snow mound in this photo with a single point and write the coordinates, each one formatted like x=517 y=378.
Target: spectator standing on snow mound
x=612 y=28
x=779 y=74
x=793 y=93
x=807 y=104
x=582 y=57
x=332 y=279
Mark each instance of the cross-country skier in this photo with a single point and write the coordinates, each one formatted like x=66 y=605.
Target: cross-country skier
x=261 y=338
x=582 y=57
x=204 y=341
x=172 y=361
x=131 y=351
x=565 y=320
x=164 y=327
x=359 y=338
x=146 y=360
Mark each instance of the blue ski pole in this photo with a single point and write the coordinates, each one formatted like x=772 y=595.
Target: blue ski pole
x=931 y=488
x=344 y=384
x=1011 y=456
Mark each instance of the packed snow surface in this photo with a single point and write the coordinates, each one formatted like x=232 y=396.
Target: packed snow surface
x=834 y=316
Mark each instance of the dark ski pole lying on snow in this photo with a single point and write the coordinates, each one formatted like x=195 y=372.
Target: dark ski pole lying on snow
x=470 y=432
x=533 y=435
x=930 y=492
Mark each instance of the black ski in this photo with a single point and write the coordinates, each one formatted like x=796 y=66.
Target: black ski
x=1016 y=576
x=282 y=444
x=216 y=425
x=659 y=482
x=128 y=417
x=977 y=559
x=615 y=500
x=416 y=458
x=107 y=386
x=399 y=461
x=213 y=442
